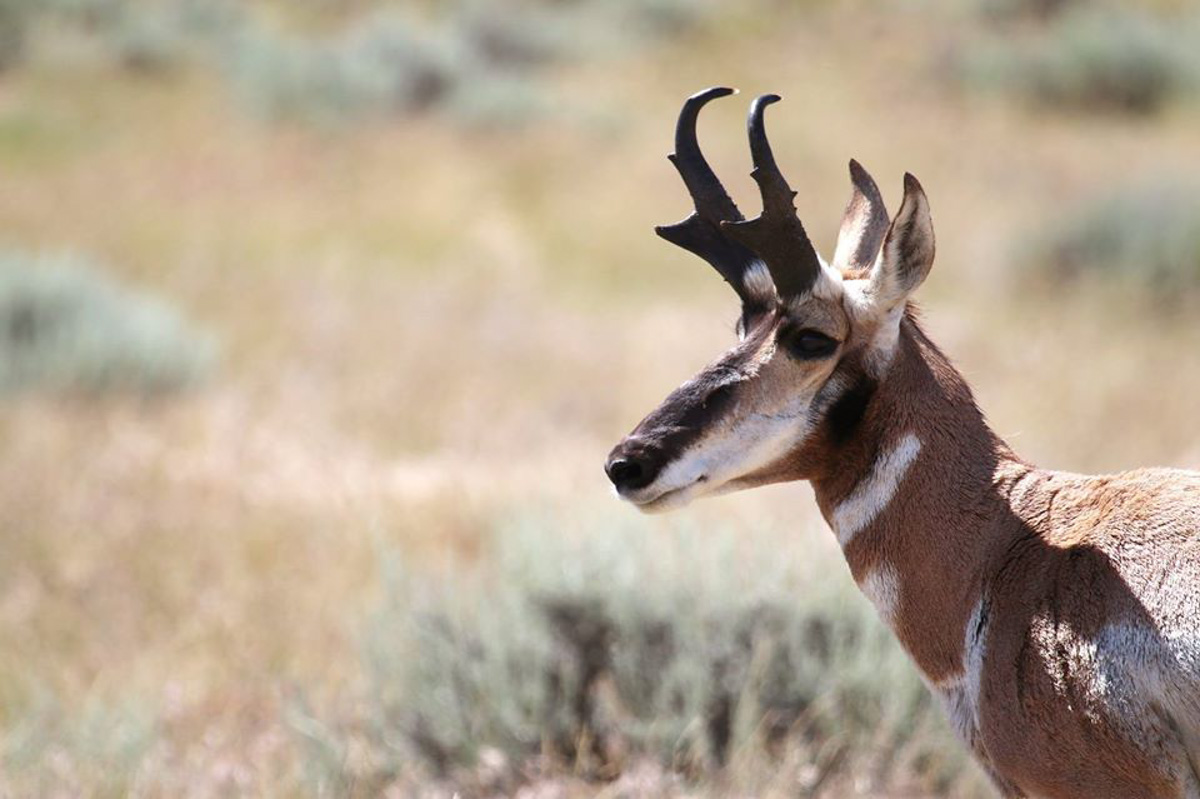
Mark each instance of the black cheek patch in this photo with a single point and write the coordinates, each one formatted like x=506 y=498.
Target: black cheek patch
x=847 y=411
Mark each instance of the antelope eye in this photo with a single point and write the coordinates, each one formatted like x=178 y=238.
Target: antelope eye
x=808 y=344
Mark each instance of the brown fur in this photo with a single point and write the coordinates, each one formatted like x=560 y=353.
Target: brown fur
x=1058 y=559
x=1056 y=616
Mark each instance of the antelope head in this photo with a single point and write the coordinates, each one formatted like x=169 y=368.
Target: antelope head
x=815 y=340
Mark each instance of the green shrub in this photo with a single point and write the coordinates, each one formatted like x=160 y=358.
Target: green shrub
x=507 y=37
x=148 y=42
x=1004 y=10
x=96 y=748
x=144 y=36
x=383 y=65
x=480 y=64
x=691 y=648
x=14 y=32
x=1146 y=236
x=663 y=17
x=1095 y=57
x=64 y=326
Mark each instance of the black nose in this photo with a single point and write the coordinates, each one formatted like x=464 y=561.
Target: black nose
x=630 y=472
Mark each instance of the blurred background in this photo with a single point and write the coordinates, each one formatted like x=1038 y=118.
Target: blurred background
x=318 y=318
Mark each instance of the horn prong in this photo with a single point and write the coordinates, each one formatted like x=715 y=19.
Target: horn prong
x=777 y=234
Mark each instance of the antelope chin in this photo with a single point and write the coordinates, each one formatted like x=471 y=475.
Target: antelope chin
x=658 y=500
x=666 y=502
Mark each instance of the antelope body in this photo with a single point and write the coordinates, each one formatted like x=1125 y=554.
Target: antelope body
x=1055 y=615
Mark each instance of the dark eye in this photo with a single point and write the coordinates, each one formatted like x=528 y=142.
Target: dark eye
x=808 y=344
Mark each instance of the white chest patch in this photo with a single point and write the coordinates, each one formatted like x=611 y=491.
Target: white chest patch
x=876 y=490
x=962 y=699
x=882 y=587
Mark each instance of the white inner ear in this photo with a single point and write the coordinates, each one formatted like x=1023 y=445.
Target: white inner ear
x=883 y=285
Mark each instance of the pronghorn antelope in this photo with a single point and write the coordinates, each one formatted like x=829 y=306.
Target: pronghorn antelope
x=1055 y=615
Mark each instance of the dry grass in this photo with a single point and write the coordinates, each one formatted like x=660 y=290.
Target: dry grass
x=424 y=328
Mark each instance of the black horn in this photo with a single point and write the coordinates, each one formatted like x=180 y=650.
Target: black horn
x=701 y=233
x=776 y=235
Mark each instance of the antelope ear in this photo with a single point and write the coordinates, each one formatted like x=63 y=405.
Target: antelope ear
x=863 y=223
x=908 y=249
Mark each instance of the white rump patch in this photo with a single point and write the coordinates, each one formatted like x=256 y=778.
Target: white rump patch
x=876 y=490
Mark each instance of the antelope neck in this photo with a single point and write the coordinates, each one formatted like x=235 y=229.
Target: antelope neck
x=918 y=500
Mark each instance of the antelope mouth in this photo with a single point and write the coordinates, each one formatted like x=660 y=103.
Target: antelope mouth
x=662 y=500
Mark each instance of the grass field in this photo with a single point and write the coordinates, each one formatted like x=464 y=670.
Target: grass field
x=325 y=570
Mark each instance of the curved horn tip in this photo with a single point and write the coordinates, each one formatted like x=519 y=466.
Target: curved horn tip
x=760 y=104
x=713 y=92
x=760 y=147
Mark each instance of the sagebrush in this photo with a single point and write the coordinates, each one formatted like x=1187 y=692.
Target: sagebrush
x=66 y=326
x=602 y=647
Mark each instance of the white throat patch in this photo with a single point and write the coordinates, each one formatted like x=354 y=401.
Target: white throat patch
x=875 y=490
